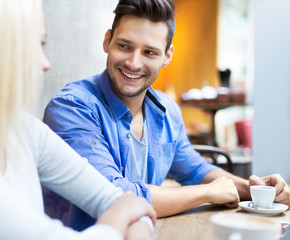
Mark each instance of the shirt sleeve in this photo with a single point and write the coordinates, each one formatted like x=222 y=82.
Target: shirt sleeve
x=23 y=221
x=81 y=127
x=188 y=166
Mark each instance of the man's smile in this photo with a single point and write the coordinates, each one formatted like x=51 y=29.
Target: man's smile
x=131 y=75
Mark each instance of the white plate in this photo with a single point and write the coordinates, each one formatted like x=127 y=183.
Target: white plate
x=276 y=209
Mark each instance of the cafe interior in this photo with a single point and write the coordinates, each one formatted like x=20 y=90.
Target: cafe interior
x=221 y=73
x=229 y=74
x=210 y=77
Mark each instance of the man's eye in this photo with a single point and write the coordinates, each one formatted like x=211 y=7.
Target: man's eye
x=150 y=53
x=123 y=46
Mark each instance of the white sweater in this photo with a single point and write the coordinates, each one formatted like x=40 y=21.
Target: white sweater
x=45 y=158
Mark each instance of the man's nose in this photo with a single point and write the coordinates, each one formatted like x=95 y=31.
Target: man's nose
x=134 y=61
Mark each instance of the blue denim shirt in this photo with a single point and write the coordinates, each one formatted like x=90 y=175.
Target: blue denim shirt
x=89 y=116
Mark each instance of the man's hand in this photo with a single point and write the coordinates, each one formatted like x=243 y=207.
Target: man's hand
x=275 y=180
x=223 y=191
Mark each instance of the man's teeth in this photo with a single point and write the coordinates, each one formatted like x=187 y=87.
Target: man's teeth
x=131 y=76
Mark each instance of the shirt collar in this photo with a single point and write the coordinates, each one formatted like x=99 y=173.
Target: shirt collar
x=119 y=109
x=155 y=102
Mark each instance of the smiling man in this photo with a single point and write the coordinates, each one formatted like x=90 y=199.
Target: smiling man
x=135 y=135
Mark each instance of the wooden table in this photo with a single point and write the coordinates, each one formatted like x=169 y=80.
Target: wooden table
x=195 y=223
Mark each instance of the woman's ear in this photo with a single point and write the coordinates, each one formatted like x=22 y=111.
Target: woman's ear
x=168 y=56
x=106 y=41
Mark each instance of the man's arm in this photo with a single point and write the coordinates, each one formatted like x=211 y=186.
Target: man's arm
x=75 y=122
x=172 y=200
x=189 y=169
x=217 y=187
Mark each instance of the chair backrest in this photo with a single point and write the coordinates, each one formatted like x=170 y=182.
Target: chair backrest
x=213 y=153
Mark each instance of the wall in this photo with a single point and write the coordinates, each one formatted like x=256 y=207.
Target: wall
x=74 y=44
x=194 y=62
x=75 y=35
x=195 y=58
x=271 y=142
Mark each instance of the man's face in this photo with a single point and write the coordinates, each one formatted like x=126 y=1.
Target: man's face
x=136 y=53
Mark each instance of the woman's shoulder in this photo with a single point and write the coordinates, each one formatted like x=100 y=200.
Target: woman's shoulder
x=31 y=122
x=30 y=128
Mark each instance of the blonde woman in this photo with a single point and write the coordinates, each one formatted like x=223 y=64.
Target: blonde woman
x=30 y=153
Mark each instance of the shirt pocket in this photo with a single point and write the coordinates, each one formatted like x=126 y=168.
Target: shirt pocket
x=166 y=158
x=168 y=149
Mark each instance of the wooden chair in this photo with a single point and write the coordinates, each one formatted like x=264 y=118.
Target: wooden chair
x=211 y=153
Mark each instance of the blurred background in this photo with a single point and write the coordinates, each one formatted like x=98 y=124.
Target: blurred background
x=230 y=71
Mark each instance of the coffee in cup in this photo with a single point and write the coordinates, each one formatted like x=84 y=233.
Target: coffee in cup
x=262 y=196
x=241 y=226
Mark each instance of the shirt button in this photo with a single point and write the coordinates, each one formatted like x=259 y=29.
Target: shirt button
x=128 y=135
x=93 y=142
x=128 y=116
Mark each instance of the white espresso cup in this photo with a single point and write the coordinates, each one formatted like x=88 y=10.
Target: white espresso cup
x=262 y=196
x=241 y=226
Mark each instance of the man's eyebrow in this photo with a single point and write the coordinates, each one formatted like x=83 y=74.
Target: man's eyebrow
x=153 y=48
x=146 y=46
x=124 y=40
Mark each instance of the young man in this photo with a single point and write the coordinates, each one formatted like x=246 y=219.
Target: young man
x=135 y=135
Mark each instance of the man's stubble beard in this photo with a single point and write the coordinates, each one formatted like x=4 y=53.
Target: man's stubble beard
x=119 y=91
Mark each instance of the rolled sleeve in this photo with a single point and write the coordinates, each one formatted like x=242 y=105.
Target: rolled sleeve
x=188 y=166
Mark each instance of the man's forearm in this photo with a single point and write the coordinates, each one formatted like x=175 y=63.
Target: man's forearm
x=218 y=187
x=168 y=201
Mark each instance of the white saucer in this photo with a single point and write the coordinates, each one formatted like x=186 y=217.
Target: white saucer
x=276 y=209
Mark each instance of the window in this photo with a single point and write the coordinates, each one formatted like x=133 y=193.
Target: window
x=234 y=43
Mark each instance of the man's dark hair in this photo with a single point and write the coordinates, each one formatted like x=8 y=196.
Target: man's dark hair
x=153 y=10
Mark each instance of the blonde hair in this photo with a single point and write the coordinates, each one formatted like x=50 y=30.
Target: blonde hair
x=19 y=59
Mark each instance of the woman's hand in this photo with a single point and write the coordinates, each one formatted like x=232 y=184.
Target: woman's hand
x=126 y=210
x=139 y=231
